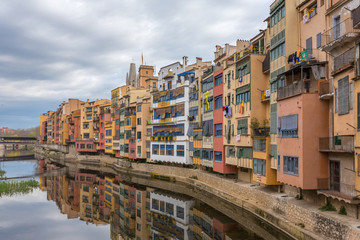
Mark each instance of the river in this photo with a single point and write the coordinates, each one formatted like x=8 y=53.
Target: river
x=97 y=205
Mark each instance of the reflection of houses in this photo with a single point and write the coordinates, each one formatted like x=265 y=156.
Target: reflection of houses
x=210 y=224
x=170 y=215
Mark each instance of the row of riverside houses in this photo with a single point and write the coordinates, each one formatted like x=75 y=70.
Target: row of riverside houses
x=280 y=109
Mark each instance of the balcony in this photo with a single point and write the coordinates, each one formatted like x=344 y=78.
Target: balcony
x=341 y=144
x=325 y=90
x=344 y=61
x=338 y=35
x=116 y=138
x=297 y=88
x=265 y=95
x=266 y=63
x=262 y=132
x=341 y=191
x=95 y=119
x=356 y=17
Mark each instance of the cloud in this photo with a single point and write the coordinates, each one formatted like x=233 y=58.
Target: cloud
x=53 y=50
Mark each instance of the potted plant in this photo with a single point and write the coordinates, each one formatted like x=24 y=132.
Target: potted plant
x=171 y=137
x=166 y=138
x=152 y=137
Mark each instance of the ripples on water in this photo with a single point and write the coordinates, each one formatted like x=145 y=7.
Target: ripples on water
x=108 y=208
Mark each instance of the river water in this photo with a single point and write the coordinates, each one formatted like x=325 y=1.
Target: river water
x=98 y=205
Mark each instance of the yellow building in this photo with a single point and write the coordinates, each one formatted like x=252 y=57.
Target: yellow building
x=109 y=200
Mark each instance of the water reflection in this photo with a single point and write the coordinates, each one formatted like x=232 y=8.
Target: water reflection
x=137 y=212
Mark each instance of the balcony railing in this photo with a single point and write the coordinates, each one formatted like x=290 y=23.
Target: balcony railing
x=338 y=33
x=116 y=138
x=266 y=63
x=296 y=88
x=356 y=17
x=262 y=132
x=337 y=144
x=344 y=59
x=324 y=88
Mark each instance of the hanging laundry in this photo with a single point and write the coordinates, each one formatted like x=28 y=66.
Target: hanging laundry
x=290 y=58
x=229 y=111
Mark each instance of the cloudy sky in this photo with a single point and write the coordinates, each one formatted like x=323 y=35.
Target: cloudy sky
x=52 y=50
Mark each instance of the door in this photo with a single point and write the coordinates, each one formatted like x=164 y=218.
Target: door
x=335 y=175
x=336 y=27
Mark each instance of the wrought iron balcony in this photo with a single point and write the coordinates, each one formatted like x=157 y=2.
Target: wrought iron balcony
x=338 y=35
x=262 y=131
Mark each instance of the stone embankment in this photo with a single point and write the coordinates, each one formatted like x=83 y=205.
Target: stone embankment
x=298 y=218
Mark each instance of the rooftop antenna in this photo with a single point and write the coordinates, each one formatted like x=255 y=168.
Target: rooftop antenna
x=142 y=59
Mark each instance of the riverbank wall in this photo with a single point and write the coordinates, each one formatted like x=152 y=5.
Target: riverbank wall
x=298 y=218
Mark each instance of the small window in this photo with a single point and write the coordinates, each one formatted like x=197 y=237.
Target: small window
x=218 y=130
x=180 y=150
x=139 y=108
x=218 y=102
x=218 y=156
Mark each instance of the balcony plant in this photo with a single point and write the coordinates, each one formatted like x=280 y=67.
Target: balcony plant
x=166 y=138
x=152 y=137
x=171 y=137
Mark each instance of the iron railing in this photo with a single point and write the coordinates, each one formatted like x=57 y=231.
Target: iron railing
x=262 y=131
x=291 y=90
x=337 y=144
x=344 y=59
x=336 y=32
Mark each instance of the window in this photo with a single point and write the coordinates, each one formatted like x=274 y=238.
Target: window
x=242 y=127
x=89 y=109
x=351 y=96
x=180 y=150
x=128 y=121
x=155 y=149
x=85 y=125
x=86 y=188
x=88 y=117
x=108 y=132
x=155 y=204
x=139 y=197
x=89 y=146
x=154 y=84
x=218 y=102
x=139 y=121
x=288 y=126
x=117 y=121
x=180 y=212
x=138 y=226
x=194 y=111
x=260 y=145
x=86 y=135
x=218 y=156
x=277 y=52
x=318 y=40
x=309 y=47
x=291 y=165
x=170 y=208
x=260 y=166
x=101 y=135
x=277 y=16
x=102 y=125
x=218 y=79
x=138 y=212
x=162 y=149
x=138 y=135
x=218 y=130
x=139 y=150
x=139 y=108
x=170 y=150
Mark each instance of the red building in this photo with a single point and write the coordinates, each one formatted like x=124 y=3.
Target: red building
x=218 y=113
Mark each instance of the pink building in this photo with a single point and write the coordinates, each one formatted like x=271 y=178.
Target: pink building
x=303 y=118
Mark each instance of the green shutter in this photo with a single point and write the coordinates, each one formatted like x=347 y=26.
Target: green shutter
x=244 y=152
x=242 y=126
x=273 y=116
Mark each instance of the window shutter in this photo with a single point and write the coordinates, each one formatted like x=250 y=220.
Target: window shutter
x=336 y=100
x=343 y=95
x=351 y=96
x=273 y=116
x=318 y=40
x=284 y=164
x=358 y=111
